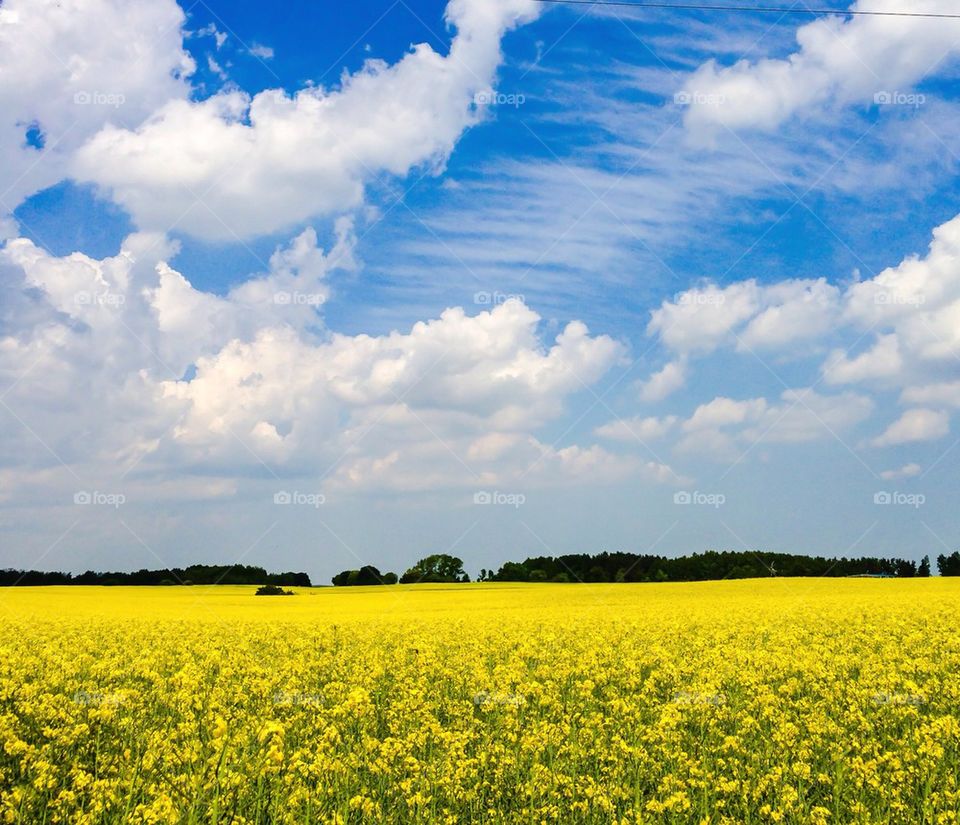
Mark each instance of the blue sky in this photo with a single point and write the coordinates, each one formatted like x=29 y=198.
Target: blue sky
x=744 y=201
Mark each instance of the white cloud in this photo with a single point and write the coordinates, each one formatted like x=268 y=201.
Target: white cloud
x=883 y=360
x=906 y=471
x=166 y=378
x=838 y=62
x=235 y=166
x=263 y=52
x=709 y=444
x=902 y=294
x=210 y=30
x=903 y=324
x=804 y=415
x=746 y=314
x=637 y=429
x=913 y=426
x=71 y=67
x=215 y=67
x=793 y=311
x=665 y=382
x=942 y=393
x=724 y=428
x=722 y=412
x=703 y=318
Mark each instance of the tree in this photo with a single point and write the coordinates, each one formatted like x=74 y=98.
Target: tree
x=906 y=569
x=438 y=567
x=924 y=569
x=949 y=565
x=512 y=571
x=272 y=590
x=366 y=576
x=597 y=574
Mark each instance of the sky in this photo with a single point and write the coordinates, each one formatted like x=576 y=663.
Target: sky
x=322 y=285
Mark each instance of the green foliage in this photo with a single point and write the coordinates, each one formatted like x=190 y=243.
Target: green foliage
x=194 y=574
x=272 y=590
x=439 y=567
x=712 y=565
x=949 y=565
x=364 y=577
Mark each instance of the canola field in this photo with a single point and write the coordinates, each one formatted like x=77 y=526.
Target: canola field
x=796 y=701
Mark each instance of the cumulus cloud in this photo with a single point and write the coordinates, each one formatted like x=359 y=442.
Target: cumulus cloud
x=71 y=68
x=238 y=166
x=722 y=412
x=837 y=62
x=665 y=382
x=913 y=426
x=746 y=314
x=942 y=393
x=882 y=360
x=901 y=329
x=637 y=429
x=163 y=377
x=703 y=318
x=804 y=415
x=725 y=428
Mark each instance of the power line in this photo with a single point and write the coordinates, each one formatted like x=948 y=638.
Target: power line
x=642 y=4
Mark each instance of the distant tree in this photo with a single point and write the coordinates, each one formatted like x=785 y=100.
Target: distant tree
x=597 y=574
x=438 y=567
x=949 y=565
x=272 y=590
x=923 y=570
x=367 y=575
x=906 y=569
x=512 y=571
x=538 y=575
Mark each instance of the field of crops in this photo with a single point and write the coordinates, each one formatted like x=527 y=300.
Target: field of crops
x=755 y=701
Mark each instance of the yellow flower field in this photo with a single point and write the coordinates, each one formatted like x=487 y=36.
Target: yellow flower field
x=754 y=701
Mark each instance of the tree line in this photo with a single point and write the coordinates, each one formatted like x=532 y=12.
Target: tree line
x=631 y=567
x=711 y=565
x=438 y=568
x=194 y=574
